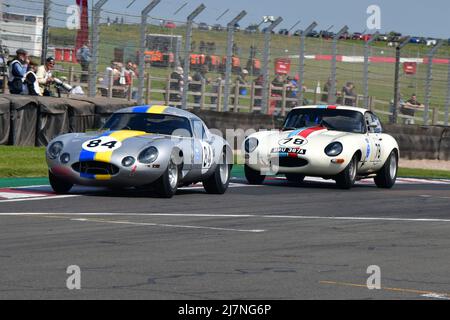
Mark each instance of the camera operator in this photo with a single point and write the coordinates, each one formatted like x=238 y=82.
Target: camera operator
x=17 y=70
x=45 y=76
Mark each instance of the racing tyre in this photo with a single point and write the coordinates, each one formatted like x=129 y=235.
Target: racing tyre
x=387 y=176
x=253 y=177
x=346 y=179
x=166 y=186
x=59 y=185
x=295 y=177
x=218 y=182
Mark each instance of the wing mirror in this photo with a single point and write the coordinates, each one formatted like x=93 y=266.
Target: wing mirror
x=373 y=125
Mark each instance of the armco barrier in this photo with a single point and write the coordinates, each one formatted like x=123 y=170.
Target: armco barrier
x=444 y=147
x=53 y=119
x=5 y=122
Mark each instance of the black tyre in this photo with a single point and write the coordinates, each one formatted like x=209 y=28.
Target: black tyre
x=253 y=177
x=295 y=177
x=387 y=176
x=218 y=182
x=346 y=179
x=166 y=186
x=59 y=185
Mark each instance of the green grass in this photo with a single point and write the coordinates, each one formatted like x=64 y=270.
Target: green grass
x=22 y=162
x=29 y=162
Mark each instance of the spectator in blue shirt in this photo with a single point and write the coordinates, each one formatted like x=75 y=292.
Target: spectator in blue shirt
x=18 y=69
x=84 y=57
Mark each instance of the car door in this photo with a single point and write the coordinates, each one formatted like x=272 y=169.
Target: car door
x=374 y=137
x=203 y=152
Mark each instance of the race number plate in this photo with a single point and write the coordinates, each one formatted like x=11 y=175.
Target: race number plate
x=103 y=144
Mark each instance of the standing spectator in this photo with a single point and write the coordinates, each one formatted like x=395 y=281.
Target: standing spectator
x=326 y=90
x=409 y=109
x=45 y=76
x=176 y=84
x=17 y=70
x=84 y=57
x=277 y=92
x=219 y=82
x=31 y=83
x=349 y=94
x=111 y=71
x=241 y=81
x=130 y=74
x=199 y=76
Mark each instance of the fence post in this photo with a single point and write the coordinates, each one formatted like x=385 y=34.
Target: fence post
x=332 y=91
x=265 y=66
x=435 y=116
x=301 y=64
x=252 y=96
x=397 y=78
x=95 y=46
x=110 y=83
x=71 y=74
x=142 y=46
x=168 y=83
x=149 y=89
x=187 y=50
x=447 y=102
x=230 y=41
x=283 y=100
x=202 y=97
x=130 y=88
x=236 y=96
x=429 y=79
x=219 y=97
x=46 y=18
x=366 y=68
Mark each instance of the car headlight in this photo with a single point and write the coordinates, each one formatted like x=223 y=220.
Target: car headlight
x=334 y=149
x=55 y=150
x=128 y=161
x=251 y=144
x=149 y=155
x=65 y=158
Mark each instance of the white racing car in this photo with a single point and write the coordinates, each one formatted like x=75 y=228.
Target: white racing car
x=333 y=142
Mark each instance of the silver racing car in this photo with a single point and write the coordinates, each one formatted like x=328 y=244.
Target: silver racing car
x=156 y=146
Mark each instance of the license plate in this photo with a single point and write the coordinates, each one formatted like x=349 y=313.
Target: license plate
x=289 y=150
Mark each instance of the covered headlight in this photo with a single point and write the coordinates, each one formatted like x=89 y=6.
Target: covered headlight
x=148 y=155
x=55 y=149
x=334 y=149
x=128 y=161
x=251 y=144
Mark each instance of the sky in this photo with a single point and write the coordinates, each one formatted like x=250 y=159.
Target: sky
x=417 y=18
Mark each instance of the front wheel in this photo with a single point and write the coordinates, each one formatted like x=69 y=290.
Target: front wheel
x=253 y=177
x=387 y=176
x=218 y=182
x=59 y=185
x=346 y=179
x=166 y=186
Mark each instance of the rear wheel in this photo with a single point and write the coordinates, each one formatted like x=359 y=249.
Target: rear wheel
x=166 y=186
x=387 y=176
x=295 y=177
x=59 y=185
x=253 y=176
x=218 y=182
x=346 y=179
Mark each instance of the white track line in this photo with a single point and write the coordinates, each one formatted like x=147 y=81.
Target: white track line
x=40 y=198
x=167 y=225
x=287 y=217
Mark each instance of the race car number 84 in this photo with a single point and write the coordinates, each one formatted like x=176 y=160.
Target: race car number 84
x=103 y=144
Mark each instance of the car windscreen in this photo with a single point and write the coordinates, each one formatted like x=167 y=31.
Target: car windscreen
x=332 y=119
x=150 y=123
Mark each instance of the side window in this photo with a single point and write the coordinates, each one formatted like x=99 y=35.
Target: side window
x=199 y=129
x=371 y=118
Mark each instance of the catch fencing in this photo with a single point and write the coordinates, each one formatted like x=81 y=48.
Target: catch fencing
x=283 y=70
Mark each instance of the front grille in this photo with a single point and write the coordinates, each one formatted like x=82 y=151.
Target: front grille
x=95 y=167
x=292 y=162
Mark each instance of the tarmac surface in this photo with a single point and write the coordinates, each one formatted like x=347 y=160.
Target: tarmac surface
x=277 y=241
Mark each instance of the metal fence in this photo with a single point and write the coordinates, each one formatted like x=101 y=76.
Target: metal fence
x=181 y=61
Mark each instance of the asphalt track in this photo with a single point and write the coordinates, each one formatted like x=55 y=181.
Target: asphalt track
x=277 y=241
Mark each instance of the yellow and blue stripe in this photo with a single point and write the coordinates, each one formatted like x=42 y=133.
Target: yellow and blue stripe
x=156 y=109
